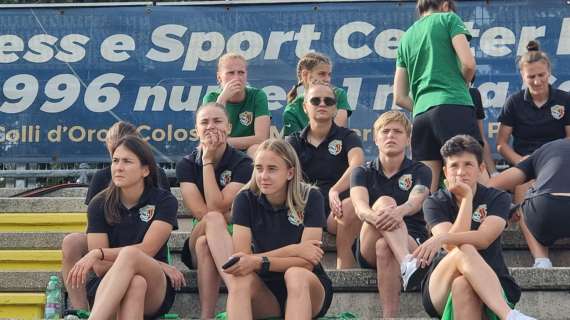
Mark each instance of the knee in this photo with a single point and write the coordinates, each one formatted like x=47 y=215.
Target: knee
x=137 y=287
x=462 y=289
x=129 y=256
x=202 y=246
x=214 y=218
x=74 y=246
x=296 y=280
x=383 y=251
x=384 y=201
x=468 y=249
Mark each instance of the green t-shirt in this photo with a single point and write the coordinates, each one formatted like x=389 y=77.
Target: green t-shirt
x=434 y=70
x=295 y=118
x=242 y=115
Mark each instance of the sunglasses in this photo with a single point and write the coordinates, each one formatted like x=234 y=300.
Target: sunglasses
x=316 y=101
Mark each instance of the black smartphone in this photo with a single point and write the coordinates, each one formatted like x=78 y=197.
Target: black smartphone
x=230 y=262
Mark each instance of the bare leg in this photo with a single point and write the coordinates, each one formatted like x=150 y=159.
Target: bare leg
x=249 y=298
x=305 y=294
x=208 y=279
x=348 y=227
x=132 y=305
x=73 y=247
x=536 y=249
x=466 y=261
x=114 y=286
x=198 y=231
x=466 y=303
x=435 y=166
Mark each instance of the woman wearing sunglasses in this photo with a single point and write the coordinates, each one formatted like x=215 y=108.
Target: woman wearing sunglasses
x=328 y=153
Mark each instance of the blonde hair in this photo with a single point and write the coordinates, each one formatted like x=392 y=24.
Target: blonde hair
x=230 y=56
x=307 y=62
x=533 y=54
x=297 y=189
x=392 y=116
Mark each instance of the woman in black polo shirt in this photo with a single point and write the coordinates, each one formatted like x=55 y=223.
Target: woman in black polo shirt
x=328 y=153
x=210 y=177
x=533 y=116
x=129 y=224
x=278 y=226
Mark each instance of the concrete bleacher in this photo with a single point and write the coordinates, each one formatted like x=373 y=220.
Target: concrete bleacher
x=31 y=231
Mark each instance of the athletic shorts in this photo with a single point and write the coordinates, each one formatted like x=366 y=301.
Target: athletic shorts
x=547 y=217
x=419 y=238
x=434 y=127
x=93 y=284
x=511 y=290
x=275 y=282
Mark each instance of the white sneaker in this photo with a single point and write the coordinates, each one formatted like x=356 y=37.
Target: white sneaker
x=412 y=275
x=542 y=263
x=517 y=315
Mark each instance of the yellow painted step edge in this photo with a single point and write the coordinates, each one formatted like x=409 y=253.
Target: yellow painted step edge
x=22 y=298
x=30 y=255
x=43 y=218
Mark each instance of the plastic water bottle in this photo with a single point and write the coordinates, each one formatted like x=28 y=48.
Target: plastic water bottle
x=53 y=299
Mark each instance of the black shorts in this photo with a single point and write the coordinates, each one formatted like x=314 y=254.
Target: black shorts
x=511 y=289
x=547 y=217
x=93 y=284
x=434 y=127
x=418 y=236
x=275 y=282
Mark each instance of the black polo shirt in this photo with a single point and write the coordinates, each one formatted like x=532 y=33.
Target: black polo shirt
x=477 y=103
x=325 y=164
x=533 y=126
x=235 y=166
x=441 y=207
x=548 y=165
x=154 y=204
x=102 y=178
x=398 y=186
x=273 y=228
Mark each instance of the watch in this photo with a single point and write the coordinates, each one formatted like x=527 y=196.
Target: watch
x=264 y=265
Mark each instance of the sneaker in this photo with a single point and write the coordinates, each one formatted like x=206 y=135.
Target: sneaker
x=542 y=263
x=412 y=275
x=517 y=315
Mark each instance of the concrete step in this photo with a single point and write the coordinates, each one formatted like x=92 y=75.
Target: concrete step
x=66 y=192
x=15 y=305
x=545 y=293
x=30 y=260
x=43 y=222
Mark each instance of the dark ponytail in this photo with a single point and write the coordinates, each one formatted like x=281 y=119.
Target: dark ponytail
x=292 y=94
x=533 y=54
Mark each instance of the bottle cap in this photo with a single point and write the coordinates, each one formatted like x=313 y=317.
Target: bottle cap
x=54 y=278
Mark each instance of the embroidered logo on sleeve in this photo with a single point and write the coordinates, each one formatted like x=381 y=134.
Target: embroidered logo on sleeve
x=335 y=147
x=246 y=118
x=225 y=178
x=405 y=182
x=480 y=213
x=146 y=213
x=557 y=111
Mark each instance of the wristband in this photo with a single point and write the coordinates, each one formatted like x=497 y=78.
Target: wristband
x=102 y=254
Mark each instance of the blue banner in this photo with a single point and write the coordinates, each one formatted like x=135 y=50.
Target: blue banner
x=70 y=73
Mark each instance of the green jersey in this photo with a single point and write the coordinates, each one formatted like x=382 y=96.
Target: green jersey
x=434 y=70
x=295 y=118
x=243 y=114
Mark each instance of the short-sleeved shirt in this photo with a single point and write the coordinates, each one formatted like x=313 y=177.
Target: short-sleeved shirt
x=242 y=115
x=273 y=228
x=441 y=207
x=477 y=103
x=549 y=166
x=398 y=186
x=102 y=178
x=434 y=70
x=324 y=165
x=295 y=118
x=234 y=166
x=533 y=126
x=154 y=204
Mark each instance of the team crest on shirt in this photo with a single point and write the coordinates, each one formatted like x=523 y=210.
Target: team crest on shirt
x=246 y=118
x=405 y=182
x=146 y=213
x=557 y=112
x=335 y=147
x=225 y=178
x=293 y=218
x=480 y=213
